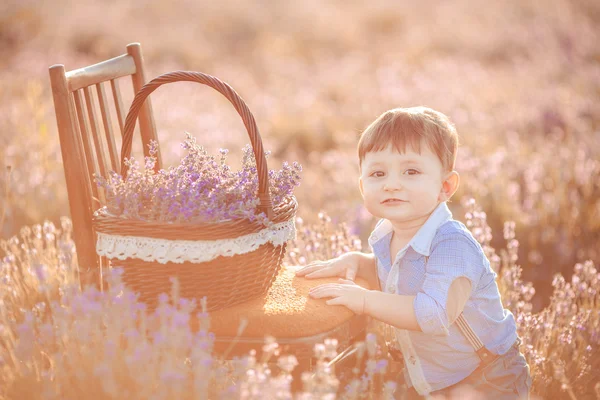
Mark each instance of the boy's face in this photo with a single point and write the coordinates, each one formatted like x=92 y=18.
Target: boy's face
x=404 y=187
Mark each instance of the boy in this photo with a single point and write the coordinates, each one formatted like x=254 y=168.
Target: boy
x=438 y=290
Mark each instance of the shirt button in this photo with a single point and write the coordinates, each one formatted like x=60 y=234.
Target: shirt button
x=391 y=289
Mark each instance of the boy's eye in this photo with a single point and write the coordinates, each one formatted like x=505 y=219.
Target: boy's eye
x=377 y=174
x=411 y=171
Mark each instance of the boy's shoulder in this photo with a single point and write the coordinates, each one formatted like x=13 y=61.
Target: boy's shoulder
x=453 y=229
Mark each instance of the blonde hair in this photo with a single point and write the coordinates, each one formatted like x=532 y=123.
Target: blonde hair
x=411 y=126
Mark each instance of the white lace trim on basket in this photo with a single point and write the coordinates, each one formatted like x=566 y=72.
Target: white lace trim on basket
x=180 y=251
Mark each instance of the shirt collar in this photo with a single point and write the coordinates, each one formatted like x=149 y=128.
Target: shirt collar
x=422 y=240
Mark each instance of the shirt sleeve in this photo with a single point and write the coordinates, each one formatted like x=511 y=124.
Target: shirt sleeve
x=453 y=256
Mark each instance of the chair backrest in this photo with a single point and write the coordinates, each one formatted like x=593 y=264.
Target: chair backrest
x=86 y=150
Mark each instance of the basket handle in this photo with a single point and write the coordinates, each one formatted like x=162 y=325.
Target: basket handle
x=264 y=197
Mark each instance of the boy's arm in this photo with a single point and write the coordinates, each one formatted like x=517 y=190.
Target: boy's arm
x=367 y=269
x=393 y=309
x=458 y=294
x=399 y=310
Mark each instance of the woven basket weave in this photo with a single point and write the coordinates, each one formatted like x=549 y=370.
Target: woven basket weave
x=225 y=280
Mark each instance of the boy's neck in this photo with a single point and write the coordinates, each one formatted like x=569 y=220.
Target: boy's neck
x=405 y=231
x=404 y=234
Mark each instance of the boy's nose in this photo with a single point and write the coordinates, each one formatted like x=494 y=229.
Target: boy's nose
x=390 y=187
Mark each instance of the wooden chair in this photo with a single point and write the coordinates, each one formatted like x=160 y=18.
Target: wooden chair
x=85 y=149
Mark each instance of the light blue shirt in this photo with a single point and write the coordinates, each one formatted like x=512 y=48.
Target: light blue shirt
x=445 y=354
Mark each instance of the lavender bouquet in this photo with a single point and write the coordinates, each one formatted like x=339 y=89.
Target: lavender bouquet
x=202 y=189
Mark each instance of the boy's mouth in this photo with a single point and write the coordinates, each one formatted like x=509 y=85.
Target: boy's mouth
x=386 y=201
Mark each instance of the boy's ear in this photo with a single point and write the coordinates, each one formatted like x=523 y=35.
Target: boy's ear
x=449 y=186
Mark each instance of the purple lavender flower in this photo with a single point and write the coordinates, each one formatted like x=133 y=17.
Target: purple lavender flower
x=200 y=189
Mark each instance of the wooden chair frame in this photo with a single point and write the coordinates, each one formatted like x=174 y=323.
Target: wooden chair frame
x=86 y=152
x=84 y=149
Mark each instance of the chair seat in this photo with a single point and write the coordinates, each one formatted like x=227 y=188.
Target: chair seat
x=286 y=311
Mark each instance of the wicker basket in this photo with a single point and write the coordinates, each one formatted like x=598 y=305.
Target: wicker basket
x=226 y=280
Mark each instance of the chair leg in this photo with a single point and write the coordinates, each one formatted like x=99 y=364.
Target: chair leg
x=91 y=276
x=103 y=266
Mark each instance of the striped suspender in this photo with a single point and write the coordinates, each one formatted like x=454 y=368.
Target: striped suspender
x=466 y=330
x=483 y=353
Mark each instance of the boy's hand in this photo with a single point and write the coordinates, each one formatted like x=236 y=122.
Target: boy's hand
x=346 y=293
x=345 y=266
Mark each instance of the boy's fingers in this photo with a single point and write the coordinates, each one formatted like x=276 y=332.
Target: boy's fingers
x=326 y=289
x=350 y=275
x=333 y=302
x=321 y=293
x=308 y=269
x=321 y=273
x=302 y=271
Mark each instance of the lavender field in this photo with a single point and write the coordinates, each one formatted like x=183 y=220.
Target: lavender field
x=520 y=79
